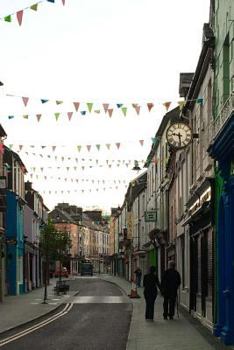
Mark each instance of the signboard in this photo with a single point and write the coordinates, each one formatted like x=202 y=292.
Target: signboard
x=150 y=216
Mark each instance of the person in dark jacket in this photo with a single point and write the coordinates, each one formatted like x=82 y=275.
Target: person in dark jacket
x=170 y=283
x=150 y=284
x=138 y=274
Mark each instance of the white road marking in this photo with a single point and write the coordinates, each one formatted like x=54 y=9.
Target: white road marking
x=100 y=300
x=29 y=330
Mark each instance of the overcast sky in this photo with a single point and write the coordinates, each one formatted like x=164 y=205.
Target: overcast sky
x=100 y=51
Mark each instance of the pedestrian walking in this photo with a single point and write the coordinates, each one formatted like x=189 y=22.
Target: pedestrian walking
x=169 y=285
x=138 y=274
x=150 y=284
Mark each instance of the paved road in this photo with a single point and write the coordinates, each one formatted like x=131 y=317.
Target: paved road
x=99 y=319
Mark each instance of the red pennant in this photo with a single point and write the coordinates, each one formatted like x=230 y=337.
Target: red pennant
x=19 y=16
x=88 y=147
x=25 y=100
x=20 y=147
x=38 y=117
x=63 y=2
x=110 y=111
x=69 y=114
x=105 y=106
x=76 y=105
x=141 y=142
x=167 y=105
x=118 y=144
x=137 y=108
x=150 y=105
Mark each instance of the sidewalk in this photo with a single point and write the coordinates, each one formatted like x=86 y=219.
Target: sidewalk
x=180 y=334
x=17 y=310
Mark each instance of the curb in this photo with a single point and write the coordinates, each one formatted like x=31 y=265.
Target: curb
x=37 y=318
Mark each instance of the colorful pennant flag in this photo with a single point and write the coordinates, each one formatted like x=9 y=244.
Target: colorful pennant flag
x=124 y=110
x=57 y=115
x=7 y=18
x=105 y=106
x=167 y=105
x=38 y=117
x=150 y=105
x=19 y=16
x=76 y=105
x=90 y=106
x=110 y=111
x=44 y=101
x=34 y=7
x=69 y=114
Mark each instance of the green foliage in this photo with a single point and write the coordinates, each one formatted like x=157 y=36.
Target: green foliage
x=54 y=244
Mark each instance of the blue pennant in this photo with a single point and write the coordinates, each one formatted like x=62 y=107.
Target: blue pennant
x=83 y=112
x=44 y=101
x=119 y=105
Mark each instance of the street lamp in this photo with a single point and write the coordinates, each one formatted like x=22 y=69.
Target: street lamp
x=136 y=166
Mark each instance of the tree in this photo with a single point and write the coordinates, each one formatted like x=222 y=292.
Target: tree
x=54 y=245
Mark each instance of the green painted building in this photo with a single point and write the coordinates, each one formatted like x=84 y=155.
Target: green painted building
x=222 y=150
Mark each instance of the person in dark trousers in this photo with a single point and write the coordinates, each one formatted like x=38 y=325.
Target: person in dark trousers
x=150 y=284
x=170 y=283
x=138 y=274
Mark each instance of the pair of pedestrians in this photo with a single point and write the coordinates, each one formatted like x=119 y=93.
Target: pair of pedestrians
x=168 y=287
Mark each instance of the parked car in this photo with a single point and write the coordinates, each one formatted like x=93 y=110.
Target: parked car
x=64 y=272
x=86 y=269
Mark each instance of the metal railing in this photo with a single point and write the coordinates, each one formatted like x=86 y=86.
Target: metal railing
x=225 y=114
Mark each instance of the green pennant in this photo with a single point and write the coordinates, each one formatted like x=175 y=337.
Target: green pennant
x=57 y=116
x=124 y=110
x=90 y=106
x=78 y=148
x=7 y=18
x=25 y=116
x=98 y=147
x=34 y=7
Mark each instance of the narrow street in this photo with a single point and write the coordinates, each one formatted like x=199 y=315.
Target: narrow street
x=99 y=319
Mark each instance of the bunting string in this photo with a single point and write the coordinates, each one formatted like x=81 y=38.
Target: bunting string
x=88 y=108
x=19 y=14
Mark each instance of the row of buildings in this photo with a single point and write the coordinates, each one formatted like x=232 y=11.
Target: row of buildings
x=182 y=207
x=23 y=214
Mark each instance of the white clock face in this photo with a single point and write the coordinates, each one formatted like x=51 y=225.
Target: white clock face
x=179 y=135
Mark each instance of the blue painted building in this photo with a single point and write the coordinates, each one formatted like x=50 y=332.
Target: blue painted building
x=15 y=244
x=14 y=222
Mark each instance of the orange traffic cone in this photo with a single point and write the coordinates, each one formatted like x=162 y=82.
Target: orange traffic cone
x=133 y=293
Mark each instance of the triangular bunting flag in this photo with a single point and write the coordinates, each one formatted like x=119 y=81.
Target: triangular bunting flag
x=97 y=111
x=10 y=146
x=88 y=147
x=79 y=148
x=83 y=112
x=69 y=114
x=11 y=116
x=34 y=7
x=137 y=108
x=63 y=2
x=150 y=105
x=59 y=102
x=167 y=105
x=108 y=145
x=141 y=142
x=110 y=111
x=90 y=106
x=153 y=139
x=105 y=106
x=118 y=144
x=76 y=105
x=25 y=116
x=119 y=105
x=7 y=18
x=124 y=110
x=51 y=1
x=38 y=117
x=181 y=104
x=98 y=147
x=25 y=100
x=44 y=101
x=57 y=115
x=53 y=148
x=20 y=147
x=19 y=16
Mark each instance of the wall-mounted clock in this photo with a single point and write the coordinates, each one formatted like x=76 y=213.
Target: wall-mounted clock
x=179 y=135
